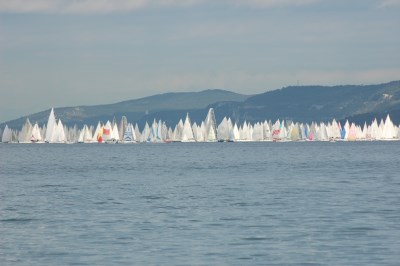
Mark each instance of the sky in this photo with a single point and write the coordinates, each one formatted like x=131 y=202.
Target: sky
x=56 y=53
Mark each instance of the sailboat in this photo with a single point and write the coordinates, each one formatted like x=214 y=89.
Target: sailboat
x=129 y=135
x=115 y=134
x=35 y=135
x=223 y=130
x=25 y=133
x=51 y=125
x=234 y=134
x=388 y=131
x=187 y=132
x=276 y=130
x=210 y=127
x=7 y=135
x=107 y=132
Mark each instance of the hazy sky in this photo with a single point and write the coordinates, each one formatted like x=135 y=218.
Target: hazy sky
x=74 y=52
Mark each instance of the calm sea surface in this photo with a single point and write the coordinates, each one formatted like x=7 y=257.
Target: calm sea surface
x=200 y=204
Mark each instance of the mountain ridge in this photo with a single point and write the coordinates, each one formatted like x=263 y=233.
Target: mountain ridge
x=296 y=103
x=134 y=108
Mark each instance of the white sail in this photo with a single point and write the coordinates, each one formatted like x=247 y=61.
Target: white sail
x=115 y=133
x=59 y=136
x=145 y=133
x=153 y=131
x=164 y=132
x=160 y=131
x=294 y=133
x=84 y=136
x=51 y=125
x=322 y=133
x=210 y=126
x=374 y=130
x=223 y=130
x=177 y=136
x=87 y=137
x=258 y=132
x=122 y=127
x=170 y=134
x=334 y=132
x=244 y=132
x=388 y=131
x=199 y=132
x=187 y=132
x=137 y=132
x=7 y=135
x=234 y=136
x=36 y=135
x=267 y=131
x=25 y=133
x=81 y=134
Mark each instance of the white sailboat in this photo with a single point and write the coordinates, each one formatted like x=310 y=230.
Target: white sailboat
x=177 y=136
x=388 y=132
x=85 y=136
x=122 y=127
x=187 y=132
x=258 y=132
x=145 y=133
x=51 y=125
x=223 y=130
x=7 y=135
x=36 y=135
x=115 y=134
x=25 y=133
x=294 y=133
x=137 y=132
x=234 y=134
x=58 y=134
x=322 y=134
x=210 y=127
x=199 y=132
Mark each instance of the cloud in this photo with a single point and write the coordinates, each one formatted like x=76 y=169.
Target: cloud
x=388 y=3
x=80 y=6
x=109 y=6
x=273 y=3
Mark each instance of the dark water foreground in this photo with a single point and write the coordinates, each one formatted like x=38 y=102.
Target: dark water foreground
x=200 y=204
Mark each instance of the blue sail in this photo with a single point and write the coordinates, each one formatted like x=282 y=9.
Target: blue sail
x=342 y=133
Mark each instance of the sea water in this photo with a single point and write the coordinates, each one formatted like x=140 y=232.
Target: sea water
x=200 y=204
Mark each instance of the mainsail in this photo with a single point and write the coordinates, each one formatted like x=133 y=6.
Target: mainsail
x=51 y=123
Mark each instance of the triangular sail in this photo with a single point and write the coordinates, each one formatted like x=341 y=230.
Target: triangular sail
x=7 y=135
x=51 y=125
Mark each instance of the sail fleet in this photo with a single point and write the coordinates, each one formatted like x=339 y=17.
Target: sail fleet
x=207 y=131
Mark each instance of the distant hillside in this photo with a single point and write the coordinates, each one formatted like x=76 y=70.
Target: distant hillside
x=357 y=103
x=315 y=103
x=135 y=110
x=369 y=117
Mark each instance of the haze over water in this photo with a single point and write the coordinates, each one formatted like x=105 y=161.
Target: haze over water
x=200 y=204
